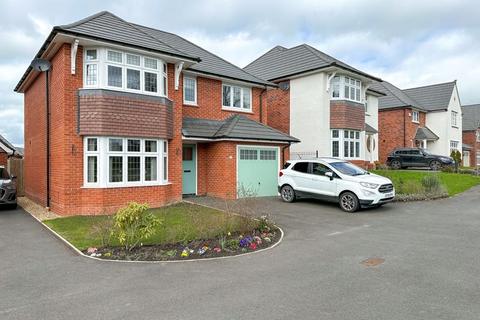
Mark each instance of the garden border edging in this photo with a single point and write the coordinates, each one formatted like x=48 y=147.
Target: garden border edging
x=80 y=253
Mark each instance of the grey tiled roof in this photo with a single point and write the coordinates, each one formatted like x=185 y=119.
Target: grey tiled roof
x=394 y=97
x=370 y=129
x=6 y=143
x=432 y=97
x=424 y=133
x=280 y=62
x=210 y=63
x=107 y=26
x=110 y=28
x=234 y=127
x=470 y=117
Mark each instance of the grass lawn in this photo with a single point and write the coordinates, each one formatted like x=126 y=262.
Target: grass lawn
x=453 y=182
x=181 y=223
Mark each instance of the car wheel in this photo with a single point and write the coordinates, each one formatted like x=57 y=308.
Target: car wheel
x=435 y=165
x=396 y=165
x=349 y=202
x=287 y=193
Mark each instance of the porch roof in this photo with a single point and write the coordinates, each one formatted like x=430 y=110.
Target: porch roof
x=424 y=133
x=234 y=127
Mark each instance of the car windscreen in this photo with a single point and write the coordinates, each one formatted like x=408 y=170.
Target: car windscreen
x=348 y=168
x=4 y=174
x=426 y=152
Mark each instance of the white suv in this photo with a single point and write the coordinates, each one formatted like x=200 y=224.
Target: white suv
x=334 y=180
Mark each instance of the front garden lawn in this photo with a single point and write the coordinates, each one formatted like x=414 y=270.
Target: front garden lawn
x=180 y=223
x=454 y=182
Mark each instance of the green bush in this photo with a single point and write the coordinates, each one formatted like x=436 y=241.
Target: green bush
x=133 y=224
x=412 y=187
x=432 y=184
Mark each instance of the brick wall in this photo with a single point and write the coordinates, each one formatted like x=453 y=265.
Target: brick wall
x=278 y=102
x=469 y=137
x=209 y=102
x=347 y=115
x=108 y=112
x=396 y=130
x=3 y=158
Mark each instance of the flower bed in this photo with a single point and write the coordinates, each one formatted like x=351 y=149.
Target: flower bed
x=230 y=245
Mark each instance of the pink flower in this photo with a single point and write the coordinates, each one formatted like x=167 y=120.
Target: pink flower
x=253 y=246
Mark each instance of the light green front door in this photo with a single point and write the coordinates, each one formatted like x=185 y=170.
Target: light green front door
x=257 y=171
x=189 y=164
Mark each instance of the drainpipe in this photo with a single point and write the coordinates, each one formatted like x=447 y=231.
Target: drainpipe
x=47 y=90
x=261 y=104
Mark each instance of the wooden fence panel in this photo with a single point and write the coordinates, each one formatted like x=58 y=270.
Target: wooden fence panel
x=15 y=167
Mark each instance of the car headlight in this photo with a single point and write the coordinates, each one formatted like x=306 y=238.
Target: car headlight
x=369 y=185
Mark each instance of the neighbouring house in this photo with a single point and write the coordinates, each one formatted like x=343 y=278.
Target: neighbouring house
x=8 y=150
x=471 y=135
x=140 y=114
x=428 y=117
x=327 y=104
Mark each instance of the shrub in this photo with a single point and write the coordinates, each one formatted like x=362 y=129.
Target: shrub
x=103 y=230
x=134 y=223
x=432 y=184
x=412 y=187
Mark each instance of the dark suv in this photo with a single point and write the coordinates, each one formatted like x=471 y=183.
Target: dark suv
x=416 y=157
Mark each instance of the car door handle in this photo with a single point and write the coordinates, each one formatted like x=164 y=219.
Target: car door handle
x=187 y=171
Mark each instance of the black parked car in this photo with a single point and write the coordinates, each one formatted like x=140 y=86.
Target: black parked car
x=417 y=157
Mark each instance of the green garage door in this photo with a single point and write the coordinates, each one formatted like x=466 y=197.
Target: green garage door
x=257 y=171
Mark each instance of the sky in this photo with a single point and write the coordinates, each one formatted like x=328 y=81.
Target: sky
x=408 y=43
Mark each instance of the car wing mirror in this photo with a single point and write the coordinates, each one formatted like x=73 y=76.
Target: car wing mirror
x=329 y=174
x=14 y=177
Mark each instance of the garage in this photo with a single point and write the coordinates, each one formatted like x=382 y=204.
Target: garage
x=257 y=171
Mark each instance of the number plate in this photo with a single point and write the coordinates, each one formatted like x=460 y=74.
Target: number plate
x=388 y=195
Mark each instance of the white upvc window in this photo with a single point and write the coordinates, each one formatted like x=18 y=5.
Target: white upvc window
x=415 y=116
x=236 y=98
x=345 y=144
x=124 y=71
x=454 y=145
x=346 y=88
x=477 y=134
x=124 y=162
x=454 y=119
x=189 y=90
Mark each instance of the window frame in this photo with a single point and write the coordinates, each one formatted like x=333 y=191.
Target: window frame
x=103 y=155
x=454 y=119
x=242 y=95
x=341 y=139
x=103 y=62
x=415 y=116
x=192 y=103
x=456 y=147
x=342 y=85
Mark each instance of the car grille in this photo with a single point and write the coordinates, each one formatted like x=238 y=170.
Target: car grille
x=385 y=188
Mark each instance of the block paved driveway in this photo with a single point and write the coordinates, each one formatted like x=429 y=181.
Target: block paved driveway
x=431 y=270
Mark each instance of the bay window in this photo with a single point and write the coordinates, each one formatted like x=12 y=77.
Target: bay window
x=346 y=88
x=346 y=144
x=118 y=70
x=236 y=98
x=124 y=162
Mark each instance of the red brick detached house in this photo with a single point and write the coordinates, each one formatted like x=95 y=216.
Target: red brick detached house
x=7 y=150
x=427 y=117
x=139 y=114
x=471 y=135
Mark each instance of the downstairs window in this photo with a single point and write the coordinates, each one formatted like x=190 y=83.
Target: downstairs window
x=346 y=144
x=124 y=162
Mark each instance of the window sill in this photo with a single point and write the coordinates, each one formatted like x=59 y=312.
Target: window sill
x=159 y=184
x=140 y=92
x=187 y=104
x=237 y=110
x=416 y=122
x=345 y=99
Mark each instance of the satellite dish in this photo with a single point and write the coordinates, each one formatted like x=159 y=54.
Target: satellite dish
x=40 y=65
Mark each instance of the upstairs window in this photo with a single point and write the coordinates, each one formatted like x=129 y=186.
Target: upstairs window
x=189 y=90
x=236 y=98
x=415 y=116
x=454 y=119
x=346 y=88
x=118 y=70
